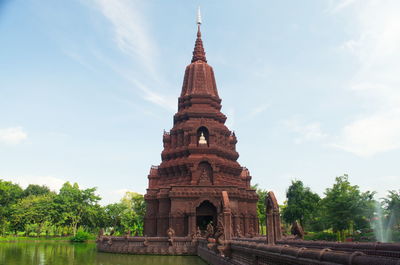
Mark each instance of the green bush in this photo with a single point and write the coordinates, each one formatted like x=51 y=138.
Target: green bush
x=81 y=236
x=321 y=236
x=396 y=236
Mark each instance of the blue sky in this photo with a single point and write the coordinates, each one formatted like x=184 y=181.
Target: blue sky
x=311 y=89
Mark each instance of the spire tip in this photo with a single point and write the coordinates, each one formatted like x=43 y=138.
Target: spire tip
x=198 y=16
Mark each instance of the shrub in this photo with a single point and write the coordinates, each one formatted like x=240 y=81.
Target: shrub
x=321 y=236
x=81 y=236
x=396 y=236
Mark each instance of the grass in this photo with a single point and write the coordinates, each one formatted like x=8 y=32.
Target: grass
x=26 y=238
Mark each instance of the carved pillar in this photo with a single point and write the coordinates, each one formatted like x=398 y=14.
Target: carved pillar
x=270 y=228
x=163 y=216
x=277 y=226
x=150 y=220
x=176 y=222
x=246 y=225
x=192 y=223
x=273 y=220
x=227 y=216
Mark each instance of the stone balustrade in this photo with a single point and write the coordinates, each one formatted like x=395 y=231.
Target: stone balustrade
x=147 y=245
x=246 y=253
x=369 y=248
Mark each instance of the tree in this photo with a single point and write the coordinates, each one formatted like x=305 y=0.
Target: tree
x=301 y=204
x=345 y=206
x=33 y=210
x=34 y=189
x=133 y=216
x=392 y=206
x=114 y=213
x=261 y=207
x=73 y=203
x=9 y=194
x=128 y=214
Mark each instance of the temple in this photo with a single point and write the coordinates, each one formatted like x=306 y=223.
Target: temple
x=199 y=165
x=200 y=202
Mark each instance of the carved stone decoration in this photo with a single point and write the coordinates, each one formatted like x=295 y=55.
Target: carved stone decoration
x=170 y=234
x=204 y=178
x=238 y=231
x=297 y=230
x=251 y=232
x=210 y=231
x=220 y=233
x=146 y=242
x=198 y=232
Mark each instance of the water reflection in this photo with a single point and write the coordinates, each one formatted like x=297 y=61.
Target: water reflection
x=63 y=253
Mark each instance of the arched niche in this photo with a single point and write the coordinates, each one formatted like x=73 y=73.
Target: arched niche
x=203 y=136
x=206 y=213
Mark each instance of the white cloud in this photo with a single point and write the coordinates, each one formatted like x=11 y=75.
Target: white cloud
x=112 y=196
x=168 y=103
x=376 y=47
x=53 y=183
x=132 y=37
x=78 y=58
x=258 y=110
x=370 y=135
x=13 y=135
x=305 y=131
x=342 y=4
x=130 y=33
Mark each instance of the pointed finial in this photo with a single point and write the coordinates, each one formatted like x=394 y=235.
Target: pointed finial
x=198 y=16
x=198 y=53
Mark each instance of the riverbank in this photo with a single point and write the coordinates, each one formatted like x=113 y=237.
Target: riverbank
x=36 y=239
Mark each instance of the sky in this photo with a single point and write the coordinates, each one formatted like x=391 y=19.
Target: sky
x=311 y=89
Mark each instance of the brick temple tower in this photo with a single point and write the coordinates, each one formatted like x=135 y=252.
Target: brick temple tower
x=199 y=164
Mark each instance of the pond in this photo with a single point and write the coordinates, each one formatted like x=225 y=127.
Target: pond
x=65 y=253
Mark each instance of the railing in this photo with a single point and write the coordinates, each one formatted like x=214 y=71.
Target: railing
x=369 y=248
x=147 y=245
x=248 y=253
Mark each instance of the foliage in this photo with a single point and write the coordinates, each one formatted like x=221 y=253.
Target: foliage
x=36 y=190
x=73 y=203
x=9 y=194
x=328 y=236
x=301 y=204
x=261 y=207
x=128 y=214
x=81 y=236
x=37 y=211
x=32 y=210
x=392 y=206
x=345 y=207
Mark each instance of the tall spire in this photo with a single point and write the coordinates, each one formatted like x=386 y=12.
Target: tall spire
x=198 y=52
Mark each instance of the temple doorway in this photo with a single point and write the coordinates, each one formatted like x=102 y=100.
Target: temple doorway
x=206 y=213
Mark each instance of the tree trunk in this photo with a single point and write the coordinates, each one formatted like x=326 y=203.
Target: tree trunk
x=75 y=226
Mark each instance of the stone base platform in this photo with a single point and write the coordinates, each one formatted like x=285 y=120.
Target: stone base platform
x=252 y=251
